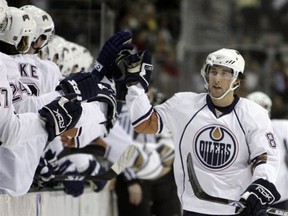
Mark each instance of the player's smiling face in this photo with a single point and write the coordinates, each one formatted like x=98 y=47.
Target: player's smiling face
x=219 y=79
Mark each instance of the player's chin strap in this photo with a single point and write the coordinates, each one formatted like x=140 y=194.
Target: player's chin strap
x=231 y=88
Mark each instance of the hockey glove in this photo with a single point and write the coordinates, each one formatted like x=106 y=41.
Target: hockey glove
x=44 y=173
x=52 y=159
x=115 y=48
x=257 y=197
x=114 y=72
x=139 y=69
x=60 y=115
x=95 y=168
x=83 y=84
x=74 y=188
x=107 y=95
x=98 y=186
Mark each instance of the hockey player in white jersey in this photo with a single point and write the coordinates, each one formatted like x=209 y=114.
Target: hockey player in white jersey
x=231 y=138
x=24 y=136
x=88 y=129
x=45 y=28
x=42 y=76
x=23 y=101
x=280 y=127
x=26 y=67
x=22 y=26
x=22 y=38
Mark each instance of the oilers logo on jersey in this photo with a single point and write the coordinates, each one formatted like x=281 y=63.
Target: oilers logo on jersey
x=215 y=147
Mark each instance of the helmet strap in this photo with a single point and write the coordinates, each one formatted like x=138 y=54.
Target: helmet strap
x=231 y=88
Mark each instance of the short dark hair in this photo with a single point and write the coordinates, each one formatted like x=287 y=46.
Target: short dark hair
x=241 y=76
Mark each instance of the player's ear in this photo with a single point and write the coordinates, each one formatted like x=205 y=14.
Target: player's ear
x=236 y=83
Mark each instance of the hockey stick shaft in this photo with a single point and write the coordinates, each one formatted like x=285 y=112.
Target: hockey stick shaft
x=201 y=194
x=115 y=169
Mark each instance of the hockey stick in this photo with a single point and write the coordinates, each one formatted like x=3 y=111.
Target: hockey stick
x=201 y=194
x=115 y=169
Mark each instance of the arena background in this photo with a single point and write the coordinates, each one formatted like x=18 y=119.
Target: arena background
x=180 y=34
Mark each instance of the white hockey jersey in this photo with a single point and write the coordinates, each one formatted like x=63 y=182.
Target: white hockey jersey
x=23 y=100
x=23 y=139
x=41 y=76
x=280 y=128
x=222 y=147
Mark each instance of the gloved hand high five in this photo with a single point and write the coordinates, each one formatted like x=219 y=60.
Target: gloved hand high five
x=257 y=197
x=138 y=69
x=83 y=84
x=61 y=114
x=115 y=48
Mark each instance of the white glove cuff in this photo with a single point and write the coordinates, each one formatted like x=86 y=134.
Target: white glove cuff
x=138 y=104
x=245 y=195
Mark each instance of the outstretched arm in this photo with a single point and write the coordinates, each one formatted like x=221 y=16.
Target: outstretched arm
x=138 y=71
x=142 y=114
x=150 y=126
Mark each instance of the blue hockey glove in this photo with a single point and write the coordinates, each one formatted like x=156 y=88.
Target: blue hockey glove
x=88 y=85
x=74 y=188
x=115 y=73
x=61 y=114
x=44 y=173
x=115 y=48
x=107 y=95
x=95 y=168
x=257 y=197
x=97 y=186
x=139 y=69
x=83 y=84
x=70 y=84
x=121 y=92
x=52 y=159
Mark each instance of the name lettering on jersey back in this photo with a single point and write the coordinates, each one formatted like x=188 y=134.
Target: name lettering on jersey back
x=215 y=147
x=28 y=70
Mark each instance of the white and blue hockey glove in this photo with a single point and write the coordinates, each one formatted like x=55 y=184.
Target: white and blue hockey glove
x=115 y=48
x=257 y=197
x=85 y=85
x=44 y=173
x=74 y=188
x=138 y=69
x=61 y=114
x=107 y=95
x=52 y=159
x=95 y=168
